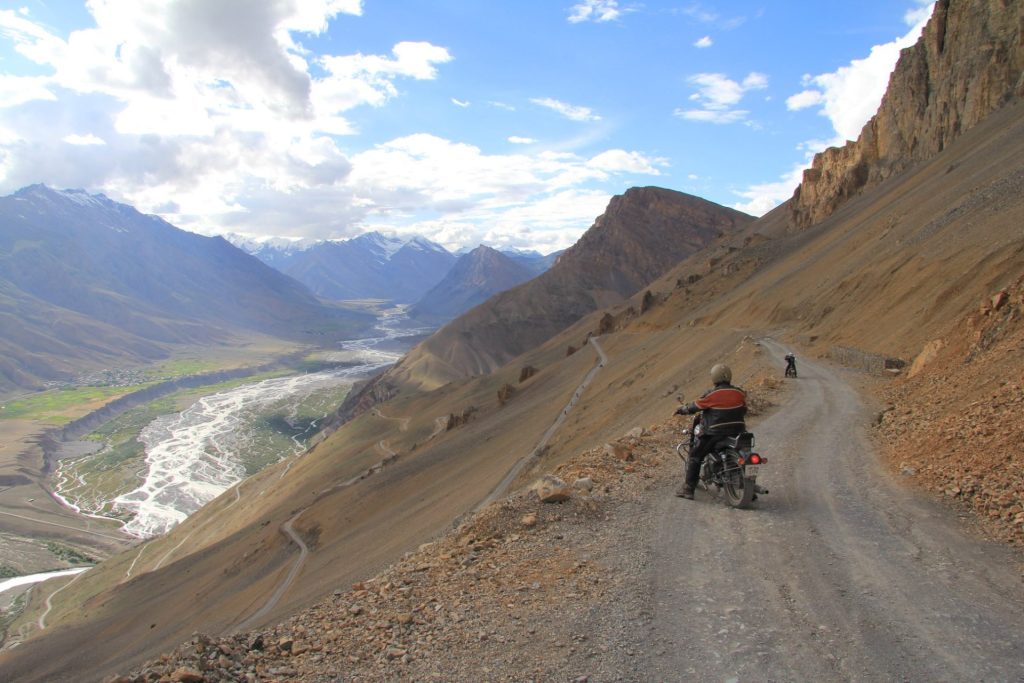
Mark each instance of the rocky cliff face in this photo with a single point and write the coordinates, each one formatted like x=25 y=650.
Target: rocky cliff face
x=968 y=63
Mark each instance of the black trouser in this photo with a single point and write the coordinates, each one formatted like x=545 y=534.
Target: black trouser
x=698 y=451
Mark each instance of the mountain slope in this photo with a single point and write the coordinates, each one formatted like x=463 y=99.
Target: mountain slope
x=79 y=271
x=894 y=266
x=370 y=266
x=642 y=233
x=474 y=278
x=806 y=285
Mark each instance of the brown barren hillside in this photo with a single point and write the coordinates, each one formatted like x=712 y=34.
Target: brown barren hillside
x=900 y=263
x=952 y=425
x=643 y=233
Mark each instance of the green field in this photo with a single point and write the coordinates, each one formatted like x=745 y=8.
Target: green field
x=60 y=406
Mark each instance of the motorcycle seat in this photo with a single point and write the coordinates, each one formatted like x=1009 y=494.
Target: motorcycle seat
x=744 y=440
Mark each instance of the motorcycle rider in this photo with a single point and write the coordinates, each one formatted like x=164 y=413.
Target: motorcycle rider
x=790 y=363
x=722 y=409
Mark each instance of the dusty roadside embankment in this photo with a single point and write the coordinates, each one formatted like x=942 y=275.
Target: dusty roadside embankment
x=954 y=425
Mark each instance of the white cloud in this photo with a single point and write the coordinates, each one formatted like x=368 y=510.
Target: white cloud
x=17 y=90
x=701 y=14
x=704 y=42
x=717 y=94
x=763 y=197
x=594 y=10
x=850 y=95
x=621 y=161
x=518 y=140
x=83 y=140
x=804 y=99
x=711 y=115
x=212 y=103
x=569 y=111
x=466 y=187
x=460 y=103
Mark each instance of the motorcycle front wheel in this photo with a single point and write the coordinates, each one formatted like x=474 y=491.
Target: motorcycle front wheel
x=739 y=491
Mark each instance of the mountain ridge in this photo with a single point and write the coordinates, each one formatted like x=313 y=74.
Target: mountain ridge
x=70 y=257
x=641 y=234
x=474 y=278
x=368 y=266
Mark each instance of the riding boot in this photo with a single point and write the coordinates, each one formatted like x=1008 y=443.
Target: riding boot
x=690 y=482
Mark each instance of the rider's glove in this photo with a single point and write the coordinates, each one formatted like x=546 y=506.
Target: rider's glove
x=681 y=410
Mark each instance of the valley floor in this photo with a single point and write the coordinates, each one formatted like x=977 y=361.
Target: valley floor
x=840 y=573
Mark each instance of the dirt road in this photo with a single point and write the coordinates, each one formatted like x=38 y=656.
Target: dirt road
x=839 y=574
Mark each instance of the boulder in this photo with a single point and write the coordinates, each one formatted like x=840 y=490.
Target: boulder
x=551 y=489
x=929 y=353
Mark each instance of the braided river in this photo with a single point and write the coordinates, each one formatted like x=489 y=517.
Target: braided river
x=193 y=456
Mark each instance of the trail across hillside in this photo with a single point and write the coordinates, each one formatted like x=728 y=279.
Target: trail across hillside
x=839 y=574
x=502 y=488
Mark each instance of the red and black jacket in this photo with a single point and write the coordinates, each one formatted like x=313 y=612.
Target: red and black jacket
x=722 y=410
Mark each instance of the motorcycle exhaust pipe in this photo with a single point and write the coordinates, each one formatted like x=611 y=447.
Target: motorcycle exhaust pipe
x=759 y=489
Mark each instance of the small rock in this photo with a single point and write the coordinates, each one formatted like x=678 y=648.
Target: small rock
x=584 y=484
x=529 y=520
x=637 y=432
x=285 y=643
x=186 y=675
x=618 y=451
x=355 y=610
x=395 y=653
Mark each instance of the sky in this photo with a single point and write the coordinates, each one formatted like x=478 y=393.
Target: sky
x=504 y=122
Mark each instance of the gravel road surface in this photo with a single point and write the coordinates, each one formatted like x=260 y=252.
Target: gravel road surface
x=839 y=574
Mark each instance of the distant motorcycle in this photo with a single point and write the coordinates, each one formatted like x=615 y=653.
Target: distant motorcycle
x=731 y=467
x=790 y=365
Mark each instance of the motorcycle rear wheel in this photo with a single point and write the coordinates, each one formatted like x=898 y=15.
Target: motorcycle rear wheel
x=739 y=490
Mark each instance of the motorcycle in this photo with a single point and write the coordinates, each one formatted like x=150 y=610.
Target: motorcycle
x=731 y=467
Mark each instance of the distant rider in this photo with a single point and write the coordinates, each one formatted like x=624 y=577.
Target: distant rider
x=790 y=364
x=722 y=410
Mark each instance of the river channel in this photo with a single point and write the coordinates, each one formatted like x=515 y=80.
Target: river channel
x=193 y=456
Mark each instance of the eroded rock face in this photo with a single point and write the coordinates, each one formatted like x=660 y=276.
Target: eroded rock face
x=968 y=62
